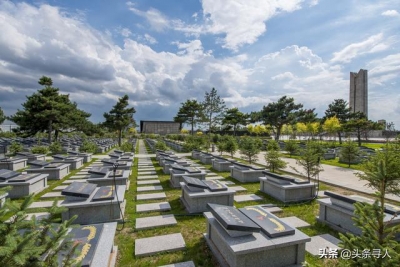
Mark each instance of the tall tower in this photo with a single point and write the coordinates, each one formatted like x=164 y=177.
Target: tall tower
x=359 y=92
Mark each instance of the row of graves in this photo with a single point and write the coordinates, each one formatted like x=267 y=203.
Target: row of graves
x=254 y=236
x=95 y=194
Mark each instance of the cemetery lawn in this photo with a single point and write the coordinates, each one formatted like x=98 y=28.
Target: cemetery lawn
x=192 y=227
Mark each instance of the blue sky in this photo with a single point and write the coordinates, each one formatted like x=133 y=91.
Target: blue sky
x=161 y=53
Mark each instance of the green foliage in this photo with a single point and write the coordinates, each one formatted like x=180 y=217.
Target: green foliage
x=8 y=134
x=272 y=145
x=227 y=143
x=16 y=147
x=349 y=152
x=33 y=242
x=309 y=161
x=48 y=110
x=339 y=109
x=277 y=114
x=249 y=147
x=2 y=116
x=88 y=147
x=317 y=147
x=55 y=148
x=40 y=150
x=213 y=106
x=161 y=145
x=274 y=161
x=190 y=112
x=194 y=142
x=233 y=117
x=120 y=117
x=382 y=173
x=292 y=147
x=126 y=147
x=359 y=124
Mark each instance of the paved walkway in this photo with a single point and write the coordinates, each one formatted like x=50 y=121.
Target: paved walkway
x=332 y=175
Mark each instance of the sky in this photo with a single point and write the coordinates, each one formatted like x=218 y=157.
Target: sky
x=162 y=53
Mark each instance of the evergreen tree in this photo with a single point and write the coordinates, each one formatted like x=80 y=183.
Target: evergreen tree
x=272 y=145
x=190 y=112
x=48 y=110
x=349 y=152
x=120 y=117
x=249 y=147
x=213 y=107
x=2 y=116
x=382 y=172
x=233 y=117
x=274 y=161
x=339 y=109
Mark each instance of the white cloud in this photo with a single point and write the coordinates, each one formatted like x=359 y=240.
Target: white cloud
x=125 y=32
x=156 y=19
x=390 y=13
x=374 y=43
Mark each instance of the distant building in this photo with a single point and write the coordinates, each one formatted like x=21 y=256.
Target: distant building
x=383 y=123
x=359 y=92
x=159 y=127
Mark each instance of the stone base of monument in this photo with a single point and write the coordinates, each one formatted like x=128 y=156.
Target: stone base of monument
x=241 y=248
x=286 y=191
x=31 y=157
x=176 y=178
x=95 y=207
x=221 y=166
x=121 y=178
x=74 y=162
x=13 y=164
x=206 y=158
x=167 y=166
x=55 y=171
x=338 y=213
x=195 y=200
x=196 y=154
x=96 y=244
x=25 y=184
x=86 y=156
x=122 y=165
x=246 y=176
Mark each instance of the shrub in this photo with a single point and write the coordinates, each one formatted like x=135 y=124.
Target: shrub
x=55 y=147
x=88 y=147
x=126 y=147
x=16 y=147
x=272 y=145
x=161 y=145
x=40 y=150
x=249 y=147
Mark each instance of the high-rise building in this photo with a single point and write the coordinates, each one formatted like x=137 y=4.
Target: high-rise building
x=359 y=91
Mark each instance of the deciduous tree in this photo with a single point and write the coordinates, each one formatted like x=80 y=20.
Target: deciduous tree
x=339 y=109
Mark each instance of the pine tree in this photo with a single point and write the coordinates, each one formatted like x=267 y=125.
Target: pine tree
x=349 y=152
x=292 y=147
x=309 y=161
x=250 y=147
x=120 y=117
x=274 y=161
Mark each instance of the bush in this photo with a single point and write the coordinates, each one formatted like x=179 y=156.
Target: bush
x=250 y=147
x=8 y=134
x=40 y=150
x=88 y=147
x=55 y=148
x=16 y=147
x=126 y=147
x=272 y=145
x=161 y=145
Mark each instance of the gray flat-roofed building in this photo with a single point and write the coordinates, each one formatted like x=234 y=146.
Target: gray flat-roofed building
x=359 y=92
x=159 y=127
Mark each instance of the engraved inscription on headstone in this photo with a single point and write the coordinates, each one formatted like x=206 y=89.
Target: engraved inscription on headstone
x=214 y=185
x=78 y=189
x=99 y=171
x=104 y=193
x=270 y=224
x=117 y=173
x=194 y=182
x=232 y=219
x=87 y=238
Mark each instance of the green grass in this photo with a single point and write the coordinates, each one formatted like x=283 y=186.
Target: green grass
x=192 y=227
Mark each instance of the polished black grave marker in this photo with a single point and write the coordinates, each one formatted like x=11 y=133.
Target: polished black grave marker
x=7 y=174
x=54 y=165
x=271 y=225
x=104 y=193
x=99 y=170
x=40 y=163
x=232 y=219
x=23 y=177
x=215 y=186
x=194 y=182
x=78 y=189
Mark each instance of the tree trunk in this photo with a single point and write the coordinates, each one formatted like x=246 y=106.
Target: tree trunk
x=340 y=137
x=192 y=126
x=278 y=133
x=56 y=132
x=359 y=138
x=119 y=137
x=50 y=130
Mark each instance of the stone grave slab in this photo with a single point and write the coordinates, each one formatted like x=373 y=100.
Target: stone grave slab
x=152 y=181
x=73 y=180
x=52 y=194
x=150 y=196
x=238 y=188
x=214 y=178
x=325 y=241
x=244 y=198
x=153 y=245
x=104 y=193
x=295 y=222
x=147 y=173
x=321 y=194
x=227 y=183
x=23 y=177
x=155 y=221
x=79 y=189
x=180 y=264
x=60 y=187
x=39 y=215
x=270 y=225
x=215 y=186
x=42 y=204
x=141 y=169
x=162 y=206
x=144 y=177
x=149 y=188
